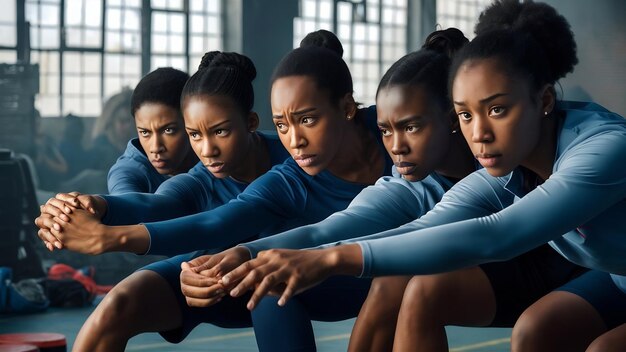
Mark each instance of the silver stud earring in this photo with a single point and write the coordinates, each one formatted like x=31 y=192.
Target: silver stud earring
x=545 y=113
x=454 y=131
x=349 y=117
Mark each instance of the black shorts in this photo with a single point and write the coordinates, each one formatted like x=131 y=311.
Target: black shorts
x=521 y=281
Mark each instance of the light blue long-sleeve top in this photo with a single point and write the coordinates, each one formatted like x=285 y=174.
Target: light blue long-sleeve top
x=133 y=172
x=284 y=198
x=391 y=202
x=580 y=209
x=184 y=194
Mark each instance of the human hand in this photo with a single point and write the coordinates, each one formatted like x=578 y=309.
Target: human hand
x=65 y=203
x=83 y=233
x=280 y=272
x=199 y=277
x=61 y=207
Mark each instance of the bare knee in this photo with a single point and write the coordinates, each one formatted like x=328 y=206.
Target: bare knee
x=526 y=334
x=424 y=295
x=115 y=308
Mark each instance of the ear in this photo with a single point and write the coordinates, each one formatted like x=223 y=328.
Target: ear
x=253 y=121
x=348 y=105
x=547 y=99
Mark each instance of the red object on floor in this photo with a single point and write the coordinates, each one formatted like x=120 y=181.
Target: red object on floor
x=47 y=342
x=18 y=348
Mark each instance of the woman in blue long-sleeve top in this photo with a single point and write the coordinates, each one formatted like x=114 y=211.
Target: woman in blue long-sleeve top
x=504 y=97
x=336 y=152
x=162 y=148
x=414 y=116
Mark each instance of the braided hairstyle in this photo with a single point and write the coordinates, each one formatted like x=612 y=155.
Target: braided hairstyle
x=223 y=73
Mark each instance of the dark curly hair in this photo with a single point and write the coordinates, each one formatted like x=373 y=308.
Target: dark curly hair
x=223 y=73
x=427 y=67
x=529 y=39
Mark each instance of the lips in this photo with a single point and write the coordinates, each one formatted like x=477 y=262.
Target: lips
x=215 y=167
x=405 y=167
x=305 y=160
x=488 y=160
x=159 y=163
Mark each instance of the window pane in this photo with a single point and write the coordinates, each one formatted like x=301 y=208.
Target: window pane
x=8 y=37
x=8 y=56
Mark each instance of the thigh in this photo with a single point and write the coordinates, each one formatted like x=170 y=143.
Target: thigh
x=463 y=297
x=612 y=341
x=521 y=281
x=600 y=292
x=228 y=313
x=560 y=321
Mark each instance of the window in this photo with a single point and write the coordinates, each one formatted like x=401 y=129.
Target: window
x=88 y=50
x=462 y=14
x=373 y=34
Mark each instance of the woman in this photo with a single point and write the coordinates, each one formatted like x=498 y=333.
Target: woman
x=112 y=130
x=421 y=136
x=502 y=86
x=336 y=152
x=162 y=148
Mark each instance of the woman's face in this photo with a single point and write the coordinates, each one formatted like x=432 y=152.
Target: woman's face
x=123 y=125
x=497 y=115
x=162 y=135
x=416 y=131
x=309 y=124
x=218 y=133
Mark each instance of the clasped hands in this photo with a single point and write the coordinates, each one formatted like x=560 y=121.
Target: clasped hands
x=205 y=280
x=72 y=221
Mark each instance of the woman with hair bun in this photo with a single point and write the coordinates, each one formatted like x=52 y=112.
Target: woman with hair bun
x=336 y=151
x=419 y=129
x=554 y=172
x=221 y=127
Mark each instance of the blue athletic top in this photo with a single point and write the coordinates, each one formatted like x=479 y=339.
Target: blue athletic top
x=133 y=172
x=391 y=202
x=580 y=209
x=188 y=193
x=283 y=198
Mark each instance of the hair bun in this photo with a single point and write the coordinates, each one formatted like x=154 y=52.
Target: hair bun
x=538 y=21
x=323 y=39
x=447 y=41
x=213 y=59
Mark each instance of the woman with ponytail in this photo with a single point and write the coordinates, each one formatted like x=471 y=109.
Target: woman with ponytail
x=554 y=172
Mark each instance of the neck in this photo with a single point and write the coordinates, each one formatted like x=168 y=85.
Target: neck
x=541 y=159
x=359 y=158
x=190 y=160
x=257 y=161
x=458 y=161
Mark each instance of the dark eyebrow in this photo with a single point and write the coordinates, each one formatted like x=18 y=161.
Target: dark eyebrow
x=485 y=100
x=403 y=121
x=408 y=119
x=299 y=112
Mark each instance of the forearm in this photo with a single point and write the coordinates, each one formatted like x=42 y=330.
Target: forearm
x=131 y=238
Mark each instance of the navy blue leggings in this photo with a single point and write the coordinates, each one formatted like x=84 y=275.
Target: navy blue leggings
x=289 y=328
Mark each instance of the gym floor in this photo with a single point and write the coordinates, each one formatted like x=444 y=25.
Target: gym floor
x=330 y=336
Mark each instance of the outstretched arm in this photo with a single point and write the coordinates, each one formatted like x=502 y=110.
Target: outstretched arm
x=389 y=203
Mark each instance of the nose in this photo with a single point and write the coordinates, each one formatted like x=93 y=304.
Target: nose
x=481 y=130
x=156 y=144
x=296 y=138
x=209 y=149
x=399 y=146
